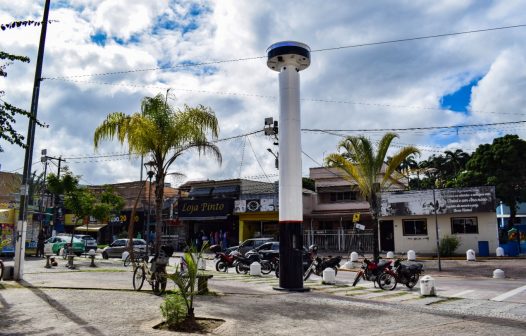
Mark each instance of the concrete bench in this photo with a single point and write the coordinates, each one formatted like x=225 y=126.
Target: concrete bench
x=202 y=283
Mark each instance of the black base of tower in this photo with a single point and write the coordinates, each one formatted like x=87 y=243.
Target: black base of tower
x=291 y=256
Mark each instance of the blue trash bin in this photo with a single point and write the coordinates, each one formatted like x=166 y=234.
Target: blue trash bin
x=484 y=248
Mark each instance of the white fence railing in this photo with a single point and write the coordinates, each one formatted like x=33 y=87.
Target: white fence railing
x=339 y=240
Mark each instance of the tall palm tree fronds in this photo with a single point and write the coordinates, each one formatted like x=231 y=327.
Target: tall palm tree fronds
x=163 y=133
x=367 y=167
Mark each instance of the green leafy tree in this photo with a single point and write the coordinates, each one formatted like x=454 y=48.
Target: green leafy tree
x=308 y=183
x=9 y=112
x=500 y=164
x=77 y=199
x=368 y=168
x=163 y=133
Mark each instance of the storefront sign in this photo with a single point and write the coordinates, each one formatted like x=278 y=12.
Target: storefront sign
x=254 y=205
x=447 y=201
x=205 y=208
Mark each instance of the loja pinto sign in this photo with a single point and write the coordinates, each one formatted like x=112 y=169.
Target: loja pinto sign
x=205 y=208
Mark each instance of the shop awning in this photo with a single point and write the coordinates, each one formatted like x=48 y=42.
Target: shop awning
x=200 y=192
x=226 y=190
x=90 y=227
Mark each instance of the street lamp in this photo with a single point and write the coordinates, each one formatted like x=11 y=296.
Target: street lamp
x=434 y=171
x=276 y=156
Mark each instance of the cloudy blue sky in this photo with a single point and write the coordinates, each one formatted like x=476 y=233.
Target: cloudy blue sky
x=448 y=81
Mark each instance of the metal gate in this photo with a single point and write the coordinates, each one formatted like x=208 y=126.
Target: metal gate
x=339 y=240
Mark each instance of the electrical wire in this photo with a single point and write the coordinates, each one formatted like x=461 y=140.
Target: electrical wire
x=313 y=50
x=412 y=128
x=257 y=159
x=314 y=100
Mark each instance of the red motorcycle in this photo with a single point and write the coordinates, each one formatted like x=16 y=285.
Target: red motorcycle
x=371 y=271
x=224 y=261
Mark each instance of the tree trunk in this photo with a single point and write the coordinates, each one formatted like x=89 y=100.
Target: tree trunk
x=159 y=195
x=374 y=213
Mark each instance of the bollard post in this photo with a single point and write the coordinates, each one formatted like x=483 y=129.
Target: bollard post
x=390 y=255
x=255 y=269
x=470 y=255
x=498 y=274
x=427 y=286
x=354 y=257
x=48 y=263
x=499 y=252
x=411 y=255
x=329 y=276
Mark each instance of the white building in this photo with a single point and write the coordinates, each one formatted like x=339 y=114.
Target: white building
x=408 y=220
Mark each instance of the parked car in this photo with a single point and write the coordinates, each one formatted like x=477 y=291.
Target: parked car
x=249 y=244
x=115 y=249
x=53 y=245
x=267 y=250
x=89 y=241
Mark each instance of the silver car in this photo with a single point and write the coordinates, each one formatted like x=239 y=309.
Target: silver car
x=115 y=249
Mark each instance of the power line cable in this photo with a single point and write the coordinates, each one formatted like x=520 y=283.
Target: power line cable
x=420 y=38
x=411 y=128
x=314 y=100
x=187 y=65
x=257 y=159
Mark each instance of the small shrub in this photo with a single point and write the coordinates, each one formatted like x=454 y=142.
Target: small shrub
x=448 y=245
x=174 y=309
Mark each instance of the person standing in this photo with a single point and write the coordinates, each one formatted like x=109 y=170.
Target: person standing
x=40 y=243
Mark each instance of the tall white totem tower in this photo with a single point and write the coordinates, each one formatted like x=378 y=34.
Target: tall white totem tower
x=289 y=58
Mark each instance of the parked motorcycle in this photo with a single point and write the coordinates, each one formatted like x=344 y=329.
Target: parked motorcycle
x=405 y=274
x=371 y=271
x=243 y=263
x=224 y=261
x=318 y=265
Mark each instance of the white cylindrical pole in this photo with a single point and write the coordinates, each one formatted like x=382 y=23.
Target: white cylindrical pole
x=290 y=202
x=289 y=58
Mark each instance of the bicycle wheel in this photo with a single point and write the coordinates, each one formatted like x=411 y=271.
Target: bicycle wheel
x=1 y=270
x=387 y=281
x=159 y=283
x=138 y=278
x=127 y=261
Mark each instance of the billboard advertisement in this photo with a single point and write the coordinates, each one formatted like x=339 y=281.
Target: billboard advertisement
x=447 y=201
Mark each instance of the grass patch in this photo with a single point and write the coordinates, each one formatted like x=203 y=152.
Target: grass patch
x=445 y=300
x=392 y=295
x=357 y=288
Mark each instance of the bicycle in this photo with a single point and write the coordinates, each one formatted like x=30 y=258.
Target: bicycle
x=137 y=257
x=156 y=275
x=1 y=269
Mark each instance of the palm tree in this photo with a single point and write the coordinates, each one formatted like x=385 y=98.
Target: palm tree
x=357 y=158
x=165 y=134
x=457 y=159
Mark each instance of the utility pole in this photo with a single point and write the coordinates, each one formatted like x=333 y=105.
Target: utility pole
x=21 y=226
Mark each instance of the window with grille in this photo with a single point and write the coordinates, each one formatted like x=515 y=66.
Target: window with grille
x=415 y=227
x=344 y=196
x=464 y=225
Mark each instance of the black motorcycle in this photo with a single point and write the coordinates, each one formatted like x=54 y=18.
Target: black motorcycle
x=407 y=275
x=243 y=263
x=318 y=265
